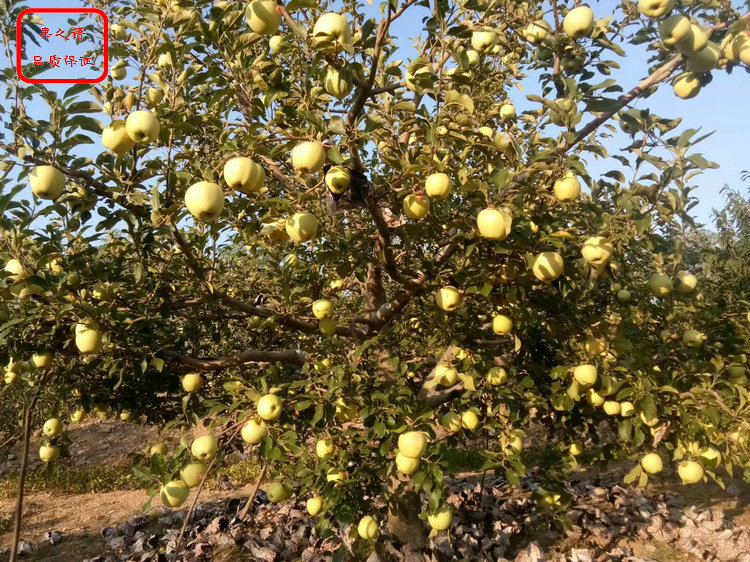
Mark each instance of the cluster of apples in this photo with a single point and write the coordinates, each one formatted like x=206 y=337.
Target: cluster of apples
x=586 y=376
x=323 y=310
x=50 y=450
x=176 y=491
x=689 y=471
x=692 y=40
x=38 y=361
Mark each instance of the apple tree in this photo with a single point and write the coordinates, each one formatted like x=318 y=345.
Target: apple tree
x=363 y=263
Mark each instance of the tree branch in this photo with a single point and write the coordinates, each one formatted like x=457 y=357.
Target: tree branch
x=247 y=356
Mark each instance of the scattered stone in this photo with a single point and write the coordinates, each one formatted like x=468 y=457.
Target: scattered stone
x=52 y=537
x=24 y=548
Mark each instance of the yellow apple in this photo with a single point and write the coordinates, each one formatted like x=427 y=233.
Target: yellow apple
x=650 y=422
x=322 y=308
x=448 y=298
x=269 y=407
x=692 y=338
x=438 y=186
x=412 y=444
x=704 y=60
x=576 y=448
x=243 y=174
x=204 y=448
x=205 y=201
x=548 y=266
x=338 y=179
x=612 y=408
x=192 y=382
x=686 y=282
x=337 y=83
x=536 y=32
x=416 y=207
x=334 y=475
x=483 y=41
x=158 y=449
x=118 y=31
x=626 y=409
x=302 y=227
x=652 y=463
x=42 y=360
x=585 y=375
x=472 y=58
x=164 y=60
x=18 y=272
x=673 y=29
x=331 y=31
x=88 y=337
x=690 y=472
x=115 y=138
x=567 y=188
x=501 y=324
x=660 y=284
x=736 y=47
x=491 y=224
x=263 y=17
x=655 y=8
x=314 y=505
x=48 y=453
x=142 y=126
x=687 y=85
x=507 y=112
x=118 y=73
x=562 y=111
x=47 y=182
x=367 y=528
x=596 y=346
x=406 y=465
x=597 y=250
x=324 y=448
x=327 y=326
x=451 y=422
x=594 y=398
x=78 y=415
x=154 y=96
x=52 y=427
x=192 y=474
x=253 y=431
x=174 y=493
x=125 y=415
x=440 y=520
x=694 y=41
x=469 y=420
x=579 y=22
x=277 y=44
x=445 y=374
x=496 y=376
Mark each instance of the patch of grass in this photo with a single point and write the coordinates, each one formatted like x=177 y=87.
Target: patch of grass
x=240 y=471
x=72 y=480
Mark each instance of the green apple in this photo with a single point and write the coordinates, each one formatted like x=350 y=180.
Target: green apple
x=626 y=409
x=692 y=338
x=115 y=138
x=47 y=182
x=118 y=31
x=597 y=250
x=302 y=227
x=483 y=41
x=416 y=207
x=204 y=448
x=650 y=422
x=78 y=415
x=17 y=271
x=205 y=201
x=585 y=375
x=594 y=398
x=118 y=73
x=673 y=29
x=334 y=475
x=704 y=60
x=508 y=112
x=548 y=266
x=154 y=96
x=579 y=22
x=338 y=179
x=735 y=370
x=491 y=224
x=612 y=408
x=338 y=83
x=515 y=443
x=562 y=112
x=88 y=337
x=623 y=295
x=331 y=31
x=324 y=448
x=686 y=282
x=243 y=174
x=438 y=186
x=142 y=126
x=52 y=427
x=472 y=58
x=174 y=493
x=322 y=308
x=652 y=463
x=263 y=17
x=125 y=415
x=501 y=324
x=192 y=474
x=406 y=465
x=567 y=188
x=412 y=444
x=576 y=448
x=253 y=431
x=496 y=376
x=687 y=85
x=660 y=284
x=164 y=60
x=445 y=374
x=48 y=453
x=42 y=360
x=314 y=505
x=277 y=44
x=440 y=520
x=655 y=8
x=269 y=407
x=690 y=472
x=694 y=41
x=736 y=47
x=469 y=420
x=448 y=298
x=367 y=527
x=451 y=422
x=192 y=382
x=536 y=32
x=327 y=326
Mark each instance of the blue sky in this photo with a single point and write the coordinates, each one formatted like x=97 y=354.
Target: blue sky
x=721 y=107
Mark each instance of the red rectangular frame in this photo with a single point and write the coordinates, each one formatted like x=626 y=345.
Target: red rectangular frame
x=19 y=38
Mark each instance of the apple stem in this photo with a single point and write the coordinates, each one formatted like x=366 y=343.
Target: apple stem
x=252 y=495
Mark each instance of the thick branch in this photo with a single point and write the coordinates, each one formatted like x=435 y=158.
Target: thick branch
x=247 y=356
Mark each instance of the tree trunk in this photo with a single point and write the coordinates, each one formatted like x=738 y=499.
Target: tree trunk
x=404 y=522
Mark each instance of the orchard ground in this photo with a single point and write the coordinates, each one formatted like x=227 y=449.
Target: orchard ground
x=104 y=452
